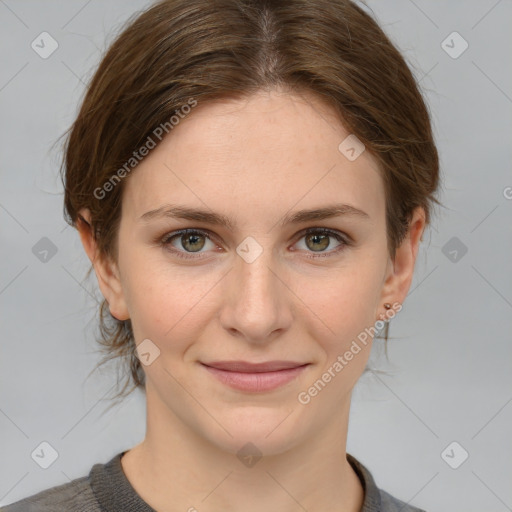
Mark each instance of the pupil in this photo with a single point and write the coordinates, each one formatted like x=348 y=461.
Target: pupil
x=194 y=239
x=317 y=238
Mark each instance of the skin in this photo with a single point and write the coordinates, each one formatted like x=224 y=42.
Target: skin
x=254 y=160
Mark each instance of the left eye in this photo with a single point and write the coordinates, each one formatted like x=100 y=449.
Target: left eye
x=193 y=240
x=317 y=240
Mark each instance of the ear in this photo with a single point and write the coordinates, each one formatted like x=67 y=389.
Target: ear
x=106 y=271
x=401 y=270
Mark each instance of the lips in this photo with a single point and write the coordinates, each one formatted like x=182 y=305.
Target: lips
x=246 y=367
x=255 y=377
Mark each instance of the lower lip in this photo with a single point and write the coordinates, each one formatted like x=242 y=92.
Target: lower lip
x=263 y=381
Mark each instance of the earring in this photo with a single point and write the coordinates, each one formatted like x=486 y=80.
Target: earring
x=382 y=316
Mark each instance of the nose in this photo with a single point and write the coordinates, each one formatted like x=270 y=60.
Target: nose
x=257 y=302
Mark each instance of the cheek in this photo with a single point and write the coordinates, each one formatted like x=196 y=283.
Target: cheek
x=347 y=307
x=344 y=302
x=164 y=301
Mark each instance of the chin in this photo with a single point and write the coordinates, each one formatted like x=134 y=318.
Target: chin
x=270 y=431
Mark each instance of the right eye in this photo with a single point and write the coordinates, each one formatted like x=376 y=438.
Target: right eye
x=191 y=240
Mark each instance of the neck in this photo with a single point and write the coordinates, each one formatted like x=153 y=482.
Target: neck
x=174 y=469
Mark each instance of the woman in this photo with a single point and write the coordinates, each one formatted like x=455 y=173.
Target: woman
x=251 y=181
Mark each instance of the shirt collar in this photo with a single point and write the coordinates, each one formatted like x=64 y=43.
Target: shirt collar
x=114 y=492
x=371 y=502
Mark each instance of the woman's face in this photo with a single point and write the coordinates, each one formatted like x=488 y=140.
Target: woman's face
x=259 y=289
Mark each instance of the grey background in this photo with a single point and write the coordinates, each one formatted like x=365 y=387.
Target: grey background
x=450 y=377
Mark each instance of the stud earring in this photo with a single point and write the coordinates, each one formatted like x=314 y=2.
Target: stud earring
x=382 y=316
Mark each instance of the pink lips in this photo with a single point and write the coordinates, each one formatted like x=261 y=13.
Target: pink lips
x=255 y=376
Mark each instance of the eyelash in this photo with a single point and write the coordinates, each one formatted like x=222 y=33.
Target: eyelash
x=166 y=239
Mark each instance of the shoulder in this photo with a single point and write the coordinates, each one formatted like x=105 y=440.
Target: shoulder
x=391 y=504
x=74 y=496
x=376 y=499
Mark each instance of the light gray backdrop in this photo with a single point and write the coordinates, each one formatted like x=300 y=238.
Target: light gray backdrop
x=451 y=359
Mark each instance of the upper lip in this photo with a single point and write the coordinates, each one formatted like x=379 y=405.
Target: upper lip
x=246 y=367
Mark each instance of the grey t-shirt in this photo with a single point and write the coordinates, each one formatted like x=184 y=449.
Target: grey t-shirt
x=106 y=489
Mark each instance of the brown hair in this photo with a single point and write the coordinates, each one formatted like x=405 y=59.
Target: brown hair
x=207 y=50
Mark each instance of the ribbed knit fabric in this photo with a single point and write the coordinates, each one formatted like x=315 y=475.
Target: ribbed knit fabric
x=106 y=489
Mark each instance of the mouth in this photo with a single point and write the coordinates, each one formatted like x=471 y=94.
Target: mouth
x=255 y=377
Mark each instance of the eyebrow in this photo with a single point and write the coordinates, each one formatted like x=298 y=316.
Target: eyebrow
x=209 y=217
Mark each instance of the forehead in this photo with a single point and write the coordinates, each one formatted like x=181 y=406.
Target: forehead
x=266 y=153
